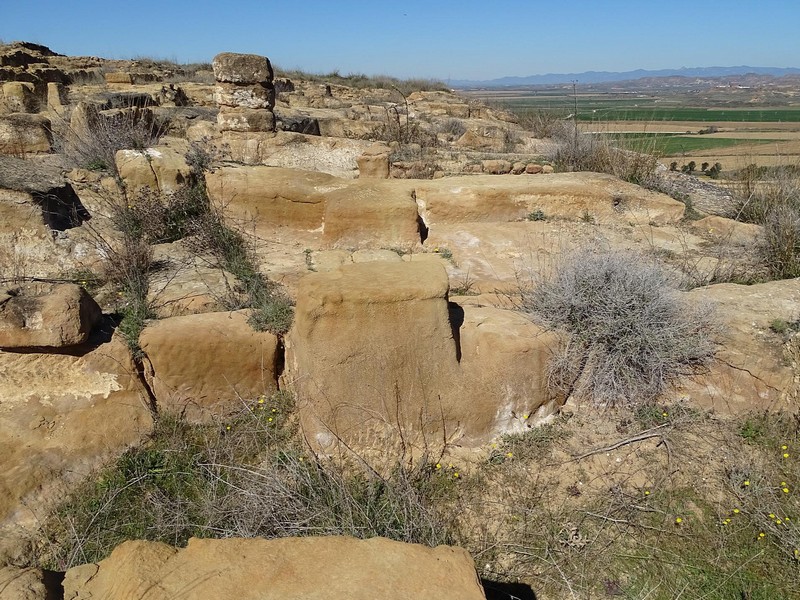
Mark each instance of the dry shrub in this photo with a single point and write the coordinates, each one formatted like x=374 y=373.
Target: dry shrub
x=576 y=151
x=780 y=244
x=627 y=331
x=95 y=147
x=771 y=197
x=543 y=124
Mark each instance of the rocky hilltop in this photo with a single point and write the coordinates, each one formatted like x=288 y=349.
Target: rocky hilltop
x=187 y=242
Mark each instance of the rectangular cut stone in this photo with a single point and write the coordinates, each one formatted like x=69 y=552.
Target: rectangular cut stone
x=230 y=67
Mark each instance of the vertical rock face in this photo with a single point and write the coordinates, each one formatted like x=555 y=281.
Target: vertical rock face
x=245 y=92
x=372 y=347
x=62 y=415
x=22 y=133
x=378 y=350
x=19 y=97
x=202 y=365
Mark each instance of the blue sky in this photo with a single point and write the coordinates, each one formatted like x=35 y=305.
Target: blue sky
x=410 y=38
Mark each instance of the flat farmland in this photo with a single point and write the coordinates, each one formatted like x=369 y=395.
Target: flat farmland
x=724 y=125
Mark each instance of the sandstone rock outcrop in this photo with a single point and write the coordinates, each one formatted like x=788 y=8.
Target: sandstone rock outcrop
x=61 y=416
x=204 y=365
x=36 y=205
x=19 y=97
x=161 y=168
x=46 y=315
x=272 y=196
x=374 y=163
x=372 y=342
x=504 y=362
x=377 y=351
x=330 y=568
x=22 y=133
x=564 y=195
x=22 y=584
x=371 y=214
x=754 y=368
x=244 y=92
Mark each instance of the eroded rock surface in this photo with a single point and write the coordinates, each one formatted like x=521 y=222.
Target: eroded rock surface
x=207 y=365
x=330 y=568
x=61 y=416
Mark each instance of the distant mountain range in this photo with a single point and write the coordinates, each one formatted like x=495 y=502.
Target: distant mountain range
x=610 y=76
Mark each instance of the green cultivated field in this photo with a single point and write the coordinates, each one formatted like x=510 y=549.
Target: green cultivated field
x=648 y=109
x=666 y=144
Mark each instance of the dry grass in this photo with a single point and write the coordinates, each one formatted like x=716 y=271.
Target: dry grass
x=244 y=477
x=639 y=505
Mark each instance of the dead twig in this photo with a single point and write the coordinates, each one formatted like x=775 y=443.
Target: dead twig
x=646 y=435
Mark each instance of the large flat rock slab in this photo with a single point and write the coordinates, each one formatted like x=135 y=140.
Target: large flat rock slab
x=572 y=196
x=329 y=568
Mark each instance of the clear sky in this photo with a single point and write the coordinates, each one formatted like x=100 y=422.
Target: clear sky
x=465 y=39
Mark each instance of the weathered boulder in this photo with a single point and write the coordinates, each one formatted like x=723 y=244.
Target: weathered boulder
x=330 y=568
x=204 y=365
x=61 y=416
x=504 y=359
x=372 y=349
x=497 y=166
x=374 y=163
x=272 y=196
x=728 y=231
x=371 y=214
x=46 y=315
x=475 y=140
x=230 y=67
x=439 y=103
x=187 y=284
x=25 y=134
x=19 y=97
x=118 y=77
x=162 y=169
x=533 y=169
